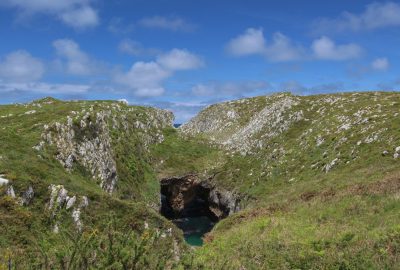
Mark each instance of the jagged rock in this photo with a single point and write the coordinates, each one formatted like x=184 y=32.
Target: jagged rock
x=189 y=194
x=27 y=197
x=58 y=196
x=330 y=165
x=223 y=203
x=273 y=119
x=76 y=215
x=10 y=191
x=3 y=181
x=30 y=112
x=87 y=140
x=84 y=202
x=70 y=202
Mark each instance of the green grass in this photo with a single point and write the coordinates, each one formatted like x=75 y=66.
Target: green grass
x=177 y=156
x=26 y=231
x=296 y=215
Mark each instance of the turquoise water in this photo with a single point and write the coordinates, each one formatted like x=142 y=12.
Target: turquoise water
x=194 y=228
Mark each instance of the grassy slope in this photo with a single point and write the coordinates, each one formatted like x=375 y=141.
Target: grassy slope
x=25 y=231
x=296 y=216
x=299 y=216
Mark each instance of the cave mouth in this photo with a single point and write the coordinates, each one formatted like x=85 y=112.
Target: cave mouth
x=186 y=202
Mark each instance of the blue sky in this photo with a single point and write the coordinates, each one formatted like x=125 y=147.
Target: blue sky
x=183 y=55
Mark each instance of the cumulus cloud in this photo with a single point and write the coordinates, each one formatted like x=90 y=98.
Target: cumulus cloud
x=167 y=23
x=178 y=59
x=80 y=18
x=224 y=89
x=325 y=49
x=253 y=42
x=146 y=78
x=380 y=64
x=375 y=16
x=20 y=66
x=74 y=60
x=135 y=48
x=76 y=13
x=282 y=49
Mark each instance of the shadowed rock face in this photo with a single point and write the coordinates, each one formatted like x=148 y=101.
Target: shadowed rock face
x=189 y=196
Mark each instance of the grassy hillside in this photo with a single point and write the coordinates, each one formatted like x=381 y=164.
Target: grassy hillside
x=319 y=177
x=122 y=229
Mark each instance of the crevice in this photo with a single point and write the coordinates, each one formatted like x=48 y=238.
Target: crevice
x=195 y=205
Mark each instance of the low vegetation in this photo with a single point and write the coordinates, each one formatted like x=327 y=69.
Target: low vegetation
x=318 y=178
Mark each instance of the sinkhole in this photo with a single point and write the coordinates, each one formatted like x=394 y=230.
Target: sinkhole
x=194 y=205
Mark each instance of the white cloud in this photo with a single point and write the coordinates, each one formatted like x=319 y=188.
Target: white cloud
x=281 y=49
x=44 y=88
x=380 y=64
x=135 y=48
x=76 y=61
x=167 y=23
x=75 y=13
x=253 y=42
x=228 y=88
x=145 y=78
x=20 y=66
x=83 y=17
x=375 y=16
x=177 y=59
x=325 y=49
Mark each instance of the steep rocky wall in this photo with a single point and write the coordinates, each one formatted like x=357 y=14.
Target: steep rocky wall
x=85 y=137
x=238 y=125
x=190 y=195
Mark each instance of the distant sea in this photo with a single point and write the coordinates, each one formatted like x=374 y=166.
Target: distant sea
x=177 y=125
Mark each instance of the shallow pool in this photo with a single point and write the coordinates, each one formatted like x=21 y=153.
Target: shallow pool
x=194 y=228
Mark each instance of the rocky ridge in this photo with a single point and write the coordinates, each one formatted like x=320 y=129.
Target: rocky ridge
x=340 y=124
x=85 y=137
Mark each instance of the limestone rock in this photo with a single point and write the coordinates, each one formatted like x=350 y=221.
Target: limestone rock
x=3 y=181
x=27 y=197
x=71 y=202
x=85 y=139
x=189 y=193
x=10 y=191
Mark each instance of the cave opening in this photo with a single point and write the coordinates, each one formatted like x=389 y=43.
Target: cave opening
x=190 y=204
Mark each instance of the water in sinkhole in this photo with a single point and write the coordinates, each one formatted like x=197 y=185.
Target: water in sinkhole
x=194 y=228
x=195 y=220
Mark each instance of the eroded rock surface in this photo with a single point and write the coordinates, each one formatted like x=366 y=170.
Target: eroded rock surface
x=85 y=138
x=191 y=196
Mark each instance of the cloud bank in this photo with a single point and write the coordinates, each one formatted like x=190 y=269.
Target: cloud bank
x=78 y=14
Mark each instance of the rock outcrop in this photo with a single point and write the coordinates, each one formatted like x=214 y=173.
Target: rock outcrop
x=59 y=199
x=191 y=196
x=240 y=125
x=85 y=137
